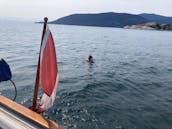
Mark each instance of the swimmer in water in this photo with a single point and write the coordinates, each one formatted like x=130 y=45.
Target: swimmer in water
x=90 y=59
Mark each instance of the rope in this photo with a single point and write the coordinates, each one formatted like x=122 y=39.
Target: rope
x=15 y=90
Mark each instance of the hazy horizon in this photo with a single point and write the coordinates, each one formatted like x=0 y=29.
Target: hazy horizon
x=37 y=20
x=54 y=9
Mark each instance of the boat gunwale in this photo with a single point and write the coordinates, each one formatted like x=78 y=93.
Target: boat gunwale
x=27 y=113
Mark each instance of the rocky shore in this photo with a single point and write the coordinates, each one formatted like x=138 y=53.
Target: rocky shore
x=150 y=26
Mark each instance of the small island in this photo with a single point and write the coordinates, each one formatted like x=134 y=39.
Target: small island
x=120 y=20
x=108 y=19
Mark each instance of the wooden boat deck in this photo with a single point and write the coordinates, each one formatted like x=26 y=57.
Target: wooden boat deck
x=14 y=115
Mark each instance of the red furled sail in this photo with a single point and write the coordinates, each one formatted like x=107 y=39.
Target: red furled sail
x=48 y=75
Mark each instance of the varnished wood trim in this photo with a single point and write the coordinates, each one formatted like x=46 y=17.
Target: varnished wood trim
x=29 y=114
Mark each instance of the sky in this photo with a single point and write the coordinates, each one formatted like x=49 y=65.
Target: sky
x=54 y=9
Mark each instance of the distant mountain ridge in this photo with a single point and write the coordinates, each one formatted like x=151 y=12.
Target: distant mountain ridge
x=111 y=19
x=157 y=18
x=101 y=19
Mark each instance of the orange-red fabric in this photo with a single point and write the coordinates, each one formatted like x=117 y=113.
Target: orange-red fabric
x=48 y=66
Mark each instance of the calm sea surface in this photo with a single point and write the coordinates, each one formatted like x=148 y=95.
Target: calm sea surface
x=128 y=87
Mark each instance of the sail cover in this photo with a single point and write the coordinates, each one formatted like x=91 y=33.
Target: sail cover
x=5 y=72
x=48 y=76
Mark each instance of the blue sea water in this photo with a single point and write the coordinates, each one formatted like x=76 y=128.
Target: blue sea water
x=128 y=87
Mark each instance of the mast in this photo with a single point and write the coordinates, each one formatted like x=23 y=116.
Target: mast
x=34 y=103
